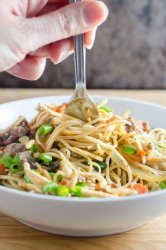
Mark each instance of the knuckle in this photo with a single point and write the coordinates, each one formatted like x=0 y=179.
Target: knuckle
x=66 y=24
x=25 y=35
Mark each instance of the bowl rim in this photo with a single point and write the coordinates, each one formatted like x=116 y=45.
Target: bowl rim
x=85 y=199
x=125 y=99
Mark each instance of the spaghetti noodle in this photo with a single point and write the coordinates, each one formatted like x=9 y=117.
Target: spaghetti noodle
x=112 y=156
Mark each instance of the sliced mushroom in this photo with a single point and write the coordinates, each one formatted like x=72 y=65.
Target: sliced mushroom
x=11 y=135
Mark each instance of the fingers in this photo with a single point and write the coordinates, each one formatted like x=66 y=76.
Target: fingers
x=57 y=52
x=66 y=22
x=30 y=69
x=35 y=6
x=50 y=7
x=60 y=50
x=43 y=6
x=90 y=38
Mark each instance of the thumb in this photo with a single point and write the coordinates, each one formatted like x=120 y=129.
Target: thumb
x=65 y=22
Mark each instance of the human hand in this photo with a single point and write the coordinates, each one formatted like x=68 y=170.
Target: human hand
x=34 y=30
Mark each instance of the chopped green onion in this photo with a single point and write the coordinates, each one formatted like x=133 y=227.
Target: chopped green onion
x=106 y=109
x=162 y=145
x=15 y=168
x=34 y=149
x=59 y=177
x=130 y=150
x=16 y=160
x=162 y=185
x=14 y=164
x=81 y=184
x=52 y=174
x=50 y=187
x=27 y=179
x=62 y=191
x=45 y=129
x=45 y=158
x=76 y=191
x=6 y=161
x=103 y=165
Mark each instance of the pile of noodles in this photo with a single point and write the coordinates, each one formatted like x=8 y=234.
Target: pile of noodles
x=80 y=146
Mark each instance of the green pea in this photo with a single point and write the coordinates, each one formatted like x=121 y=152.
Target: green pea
x=50 y=187
x=162 y=185
x=76 y=191
x=62 y=191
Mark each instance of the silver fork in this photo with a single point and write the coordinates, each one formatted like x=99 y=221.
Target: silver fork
x=81 y=105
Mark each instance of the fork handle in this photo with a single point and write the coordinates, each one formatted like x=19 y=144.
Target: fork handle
x=80 y=60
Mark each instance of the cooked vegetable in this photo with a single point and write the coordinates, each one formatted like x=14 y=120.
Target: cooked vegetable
x=57 y=190
x=50 y=187
x=14 y=164
x=6 y=161
x=45 y=129
x=81 y=184
x=12 y=134
x=162 y=185
x=52 y=174
x=32 y=163
x=2 y=169
x=16 y=160
x=34 y=149
x=15 y=168
x=27 y=179
x=76 y=191
x=102 y=165
x=54 y=165
x=130 y=150
x=60 y=108
x=59 y=177
x=141 y=189
x=13 y=149
x=106 y=109
x=62 y=191
x=162 y=145
x=45 y=158
x=59 y=155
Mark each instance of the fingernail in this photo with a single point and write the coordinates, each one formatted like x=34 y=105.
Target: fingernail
x=65 y=51
x=63 y=57
x=91 y=40
x=95 y=13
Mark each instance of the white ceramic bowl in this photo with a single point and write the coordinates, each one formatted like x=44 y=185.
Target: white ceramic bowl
x=82 y=216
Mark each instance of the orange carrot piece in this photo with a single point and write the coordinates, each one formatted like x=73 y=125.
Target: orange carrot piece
x=142 y=189
x=60 y=108
x=141 y=153
x=2 y=169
